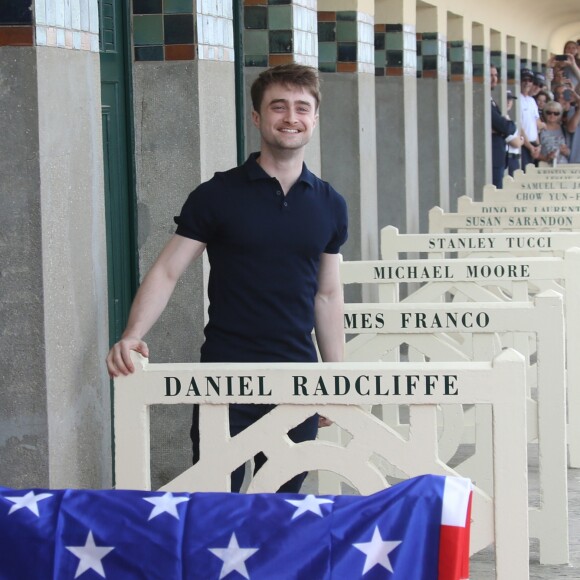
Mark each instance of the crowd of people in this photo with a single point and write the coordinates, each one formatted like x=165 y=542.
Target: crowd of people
x=549 y=114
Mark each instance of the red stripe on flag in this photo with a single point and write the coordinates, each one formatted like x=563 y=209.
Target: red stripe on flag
x=454 y=549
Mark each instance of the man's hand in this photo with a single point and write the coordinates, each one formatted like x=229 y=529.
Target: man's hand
x=324 y=422
x=119 y=357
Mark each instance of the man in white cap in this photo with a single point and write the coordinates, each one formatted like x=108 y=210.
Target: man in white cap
x=529 y=117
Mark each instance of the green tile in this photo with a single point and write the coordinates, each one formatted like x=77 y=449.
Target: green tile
x=280 y=17
x=346 y=15
x=328 y=67
x=256 y=17
x=380 y=58
x=148 y=30
x=327 y=52
x=429 y=47
x=456 y=54
x=326 y=31
x=178 y=6
x=394 y=40
x=346 y=31
x=256 y=42
x=281 y=41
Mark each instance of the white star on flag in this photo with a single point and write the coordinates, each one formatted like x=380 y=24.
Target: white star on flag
x=377 y=552
x=233 y=557
x=29 y=501
x=90 y=556
x=165 y=503
x=310 y=503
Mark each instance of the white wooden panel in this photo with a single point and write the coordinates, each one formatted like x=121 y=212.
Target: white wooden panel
x=500 y=384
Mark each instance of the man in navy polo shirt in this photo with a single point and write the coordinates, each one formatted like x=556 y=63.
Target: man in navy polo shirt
x=272 y=230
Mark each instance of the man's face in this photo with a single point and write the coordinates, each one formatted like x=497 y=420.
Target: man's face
x=287 y=117
x=493 y=77
x=527 y=85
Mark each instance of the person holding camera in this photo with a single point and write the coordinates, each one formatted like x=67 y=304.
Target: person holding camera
x=566 y=65
x=571 y=119
x=568 y=99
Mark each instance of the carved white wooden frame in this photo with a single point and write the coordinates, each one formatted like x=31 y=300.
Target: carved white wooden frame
x=546 y=417
x=500 y=384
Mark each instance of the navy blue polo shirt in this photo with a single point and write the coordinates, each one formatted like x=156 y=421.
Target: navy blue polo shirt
x=264 y=250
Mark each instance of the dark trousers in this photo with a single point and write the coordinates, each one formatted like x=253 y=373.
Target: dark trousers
x=512 y=163
x=527 y=158
x=241 y=417
x=497 y=175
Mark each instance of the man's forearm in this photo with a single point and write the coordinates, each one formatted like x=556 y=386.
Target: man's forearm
x=150 y=301
x=329 y=326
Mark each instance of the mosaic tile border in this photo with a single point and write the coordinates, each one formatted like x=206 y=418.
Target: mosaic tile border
x=280 y=31
x=345 y=42
x=481 y=61
x=172 y=30
x=395 y=50
x=16 y=24
x=431 y=55
x=459 y=61
x=55 y=23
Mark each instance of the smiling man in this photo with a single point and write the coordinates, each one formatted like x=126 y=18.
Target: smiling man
x=272 y=231
x=529 y=117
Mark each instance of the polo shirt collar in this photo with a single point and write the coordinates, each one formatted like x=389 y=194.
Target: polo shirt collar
x=255 y=172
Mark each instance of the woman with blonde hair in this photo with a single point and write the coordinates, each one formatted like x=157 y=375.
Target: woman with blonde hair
x=553 y=141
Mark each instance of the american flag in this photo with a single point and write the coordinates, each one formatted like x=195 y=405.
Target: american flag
x=417 y=529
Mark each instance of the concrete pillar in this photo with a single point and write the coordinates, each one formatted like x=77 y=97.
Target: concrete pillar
x=54 y=398
x=513 y=75
x=498 y=57
x=536 y=59
x=432 y=113
x=185 y=131
x=347 y=120
x=525 y=56
x=481 y=110
x=460 y=109
x=513 y=65
x=544 y=56
x=396 y=112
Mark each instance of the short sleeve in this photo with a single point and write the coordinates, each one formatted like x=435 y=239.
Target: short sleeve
x=341 y=226
x=197 y=219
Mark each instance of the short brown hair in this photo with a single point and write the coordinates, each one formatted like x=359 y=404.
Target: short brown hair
x=290 y=75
